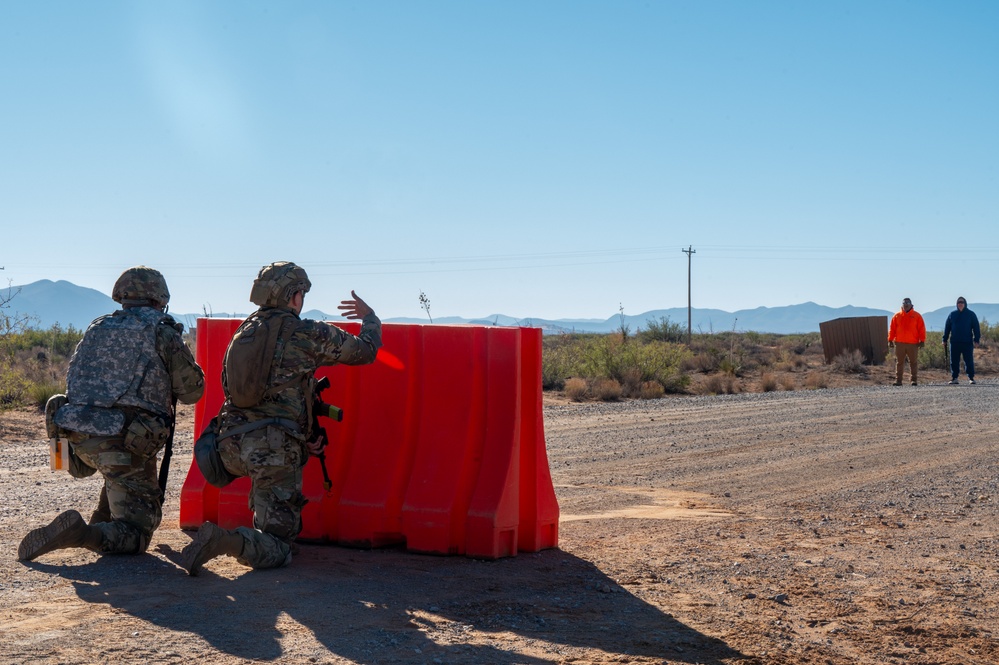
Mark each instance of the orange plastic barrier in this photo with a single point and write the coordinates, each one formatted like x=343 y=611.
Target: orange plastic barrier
x=441 y=448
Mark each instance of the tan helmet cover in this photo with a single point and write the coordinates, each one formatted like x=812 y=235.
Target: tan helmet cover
x=277 y=283
x=140 y=285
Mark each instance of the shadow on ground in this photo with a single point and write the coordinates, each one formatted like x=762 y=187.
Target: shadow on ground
x=373 y=606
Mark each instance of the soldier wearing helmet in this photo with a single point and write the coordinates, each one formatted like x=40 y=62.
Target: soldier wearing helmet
x=124 y=380
x=265 y=432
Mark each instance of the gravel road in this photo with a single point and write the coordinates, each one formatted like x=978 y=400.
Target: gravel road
x=853 y=525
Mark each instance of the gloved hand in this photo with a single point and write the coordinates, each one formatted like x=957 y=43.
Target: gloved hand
x=922 y=344
x=891 y=344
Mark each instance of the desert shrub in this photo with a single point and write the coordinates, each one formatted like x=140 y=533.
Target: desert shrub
x=850 y=362
x=704 y=361
x=714 y=385
x=663 y=330
x=796 y=344
x=629 y=362
x=631 y=381
x=720 y=384
x=13 y=386
x=606 y=389
x=990 y=333
x=41 y=392
x=558 y=359
x=933 y=355
x=651 y=390
x=55 y=341
x=728 y=366
x=575 y=389
x=768 y=382
x=787 y=382
x=816 y=380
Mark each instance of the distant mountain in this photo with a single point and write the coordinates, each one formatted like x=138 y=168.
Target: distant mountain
x=65 y=303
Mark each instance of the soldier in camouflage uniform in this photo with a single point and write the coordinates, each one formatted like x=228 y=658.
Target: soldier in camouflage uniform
x=124 y=380
x=269 y=441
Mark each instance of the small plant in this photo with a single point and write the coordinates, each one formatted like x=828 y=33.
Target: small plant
x=624 y=329
x=425 y=305
x=849 y=362
x=816 y=381
x=651 y=390
x=41 y=392
x=607 y=390
x=787 y=382
x=768 y=382
x=575 y=389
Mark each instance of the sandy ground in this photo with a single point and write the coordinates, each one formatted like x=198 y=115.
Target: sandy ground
x=848 y=525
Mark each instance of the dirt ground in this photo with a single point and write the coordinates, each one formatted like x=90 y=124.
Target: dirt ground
x=845 y=525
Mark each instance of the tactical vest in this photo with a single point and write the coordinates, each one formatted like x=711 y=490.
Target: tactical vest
x=116 y=364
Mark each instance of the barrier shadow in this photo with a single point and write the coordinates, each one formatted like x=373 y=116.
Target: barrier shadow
x=372 y=606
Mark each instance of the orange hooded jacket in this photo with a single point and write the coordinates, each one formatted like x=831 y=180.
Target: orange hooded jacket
x=907 y=327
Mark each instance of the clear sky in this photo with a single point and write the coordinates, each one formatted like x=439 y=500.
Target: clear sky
x=534 y=159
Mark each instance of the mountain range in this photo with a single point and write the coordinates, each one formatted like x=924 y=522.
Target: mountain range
x=48 y=303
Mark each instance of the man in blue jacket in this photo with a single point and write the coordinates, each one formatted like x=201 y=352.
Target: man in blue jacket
x=964 y=333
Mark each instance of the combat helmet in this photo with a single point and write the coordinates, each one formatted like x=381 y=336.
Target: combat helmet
x=141 y=286
x=277 y=283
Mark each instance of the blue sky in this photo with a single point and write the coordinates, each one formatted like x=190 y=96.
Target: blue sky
x=535 y=159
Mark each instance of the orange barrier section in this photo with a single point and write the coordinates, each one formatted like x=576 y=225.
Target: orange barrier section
x=441 y=448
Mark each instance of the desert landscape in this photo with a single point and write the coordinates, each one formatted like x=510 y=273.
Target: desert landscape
x=845 y=525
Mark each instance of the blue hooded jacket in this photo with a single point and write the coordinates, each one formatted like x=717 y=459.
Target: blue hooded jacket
x=963 y=326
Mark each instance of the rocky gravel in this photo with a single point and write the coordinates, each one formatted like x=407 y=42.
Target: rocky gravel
x=848 y=525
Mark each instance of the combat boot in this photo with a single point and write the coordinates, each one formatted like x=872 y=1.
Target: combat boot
x=210 y=541
x=66 y=530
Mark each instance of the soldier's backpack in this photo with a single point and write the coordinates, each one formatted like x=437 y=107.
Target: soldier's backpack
x=255 y=350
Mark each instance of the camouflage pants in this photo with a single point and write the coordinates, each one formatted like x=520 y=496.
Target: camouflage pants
x=273 y=461
x=132 y=489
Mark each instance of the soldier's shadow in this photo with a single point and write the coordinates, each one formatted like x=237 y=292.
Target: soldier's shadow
x=340 y=595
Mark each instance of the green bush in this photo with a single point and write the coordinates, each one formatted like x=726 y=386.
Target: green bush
x=56 y=341
x=663 y=330
x=933 y=355
x=33 y=363
x=630 y=362
x=990 y=333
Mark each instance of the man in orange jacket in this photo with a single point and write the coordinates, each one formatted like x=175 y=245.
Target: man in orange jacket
x=907 y=334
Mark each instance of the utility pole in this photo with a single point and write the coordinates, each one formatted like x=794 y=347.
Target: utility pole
x=688 y=252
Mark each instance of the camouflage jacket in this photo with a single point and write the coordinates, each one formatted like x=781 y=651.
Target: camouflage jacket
x=139 y=367
x=313 y=344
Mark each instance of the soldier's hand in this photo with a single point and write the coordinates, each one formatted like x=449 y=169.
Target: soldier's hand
x=316 y=447
x=922 y=344
x=891 y=344
x=355 y=308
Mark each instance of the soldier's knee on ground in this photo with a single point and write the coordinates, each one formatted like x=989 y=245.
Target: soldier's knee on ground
x=282 y=516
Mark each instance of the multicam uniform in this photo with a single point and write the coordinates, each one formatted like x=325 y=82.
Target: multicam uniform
x=123 y=378
x=273 y=456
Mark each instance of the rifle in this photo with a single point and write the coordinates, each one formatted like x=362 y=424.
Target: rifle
x=947 y=362
x=167 y=454
x=321 y=408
